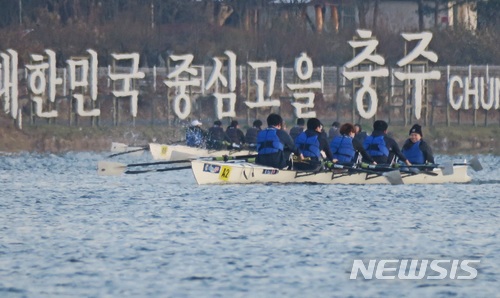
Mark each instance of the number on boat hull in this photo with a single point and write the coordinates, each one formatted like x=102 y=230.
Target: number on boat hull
x=164 y=151
x=225 y=173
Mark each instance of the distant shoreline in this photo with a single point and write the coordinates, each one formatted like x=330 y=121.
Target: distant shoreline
x=60 y=139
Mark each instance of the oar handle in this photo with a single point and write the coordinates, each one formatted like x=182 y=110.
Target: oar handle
x=233 y=157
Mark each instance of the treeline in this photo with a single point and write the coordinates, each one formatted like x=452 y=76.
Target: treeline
x=254 y=29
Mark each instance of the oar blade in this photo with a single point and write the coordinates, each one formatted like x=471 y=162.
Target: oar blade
x=109 y=168
x=394 y=177
x=475 y=164
x=447 y=168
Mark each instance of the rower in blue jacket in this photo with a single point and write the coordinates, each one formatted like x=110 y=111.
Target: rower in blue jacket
x=311 y=144
x=346 y=147
x=274 y=144
x=382 y=148
x=416 y=149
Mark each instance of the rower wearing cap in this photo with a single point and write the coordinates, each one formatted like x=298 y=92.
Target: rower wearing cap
x=195 y=135
x=416 y=149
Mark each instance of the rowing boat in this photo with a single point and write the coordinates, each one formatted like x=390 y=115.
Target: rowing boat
x=181 y=152
x=242 y=172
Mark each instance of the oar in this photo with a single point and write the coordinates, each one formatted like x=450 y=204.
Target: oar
x=473 y=163
x=109 y=168
x=393 y=176
x=446 y=167
x=230 y=157
x=404 y=169
x=158 y=170
x=131 y=151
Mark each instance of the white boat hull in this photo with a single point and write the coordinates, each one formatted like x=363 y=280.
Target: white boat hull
x=181 y=152
x=214 y=172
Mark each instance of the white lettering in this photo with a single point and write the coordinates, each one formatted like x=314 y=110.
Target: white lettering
x=435 y=267
x=419 y=79
x=388 y=269
x=420 y=49
x=301 y=63
x=9 y=82
x=379 y=274
x=261 y=100
x=465 y=267
x=412 y=270
x=455 y=104
x=367 y=272
x=473 y=90
x=453 y=270
x=487 y=105
x=127 y=79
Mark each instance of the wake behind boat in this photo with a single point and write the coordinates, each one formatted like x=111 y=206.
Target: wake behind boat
x=242 y=172
x=181 y=152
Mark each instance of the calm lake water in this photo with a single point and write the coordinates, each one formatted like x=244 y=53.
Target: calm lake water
x=67 y=232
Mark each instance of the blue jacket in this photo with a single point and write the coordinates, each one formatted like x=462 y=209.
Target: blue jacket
x=268 y=141
x=308 y=145
x=414 y=154
x=342 y=148
x=375 y=146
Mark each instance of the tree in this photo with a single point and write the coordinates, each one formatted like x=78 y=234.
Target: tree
x=363 y=8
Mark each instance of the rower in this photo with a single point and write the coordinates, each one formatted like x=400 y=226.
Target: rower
x=251 y=135
x=345 y=147
x=416 y=149
x=311 y=144
x=217 y=137
x=297 y=129
x=382 y=148
x=235 y=134
x=195 y=135
x=274 y=145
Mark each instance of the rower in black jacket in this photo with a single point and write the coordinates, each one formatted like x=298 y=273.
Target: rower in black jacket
x=382 y=148
x=416 y=149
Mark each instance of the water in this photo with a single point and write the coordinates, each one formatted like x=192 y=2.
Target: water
x=66 y=232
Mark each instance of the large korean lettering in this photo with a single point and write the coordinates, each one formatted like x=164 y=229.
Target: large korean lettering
x=37 y=82
x=9 y=82
x=304 y=71
x=264 y=100
x=366 y=86
x=126 y=79
x=418 y=77
x=217 y=76
x=83 y=74
x=181 y=76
